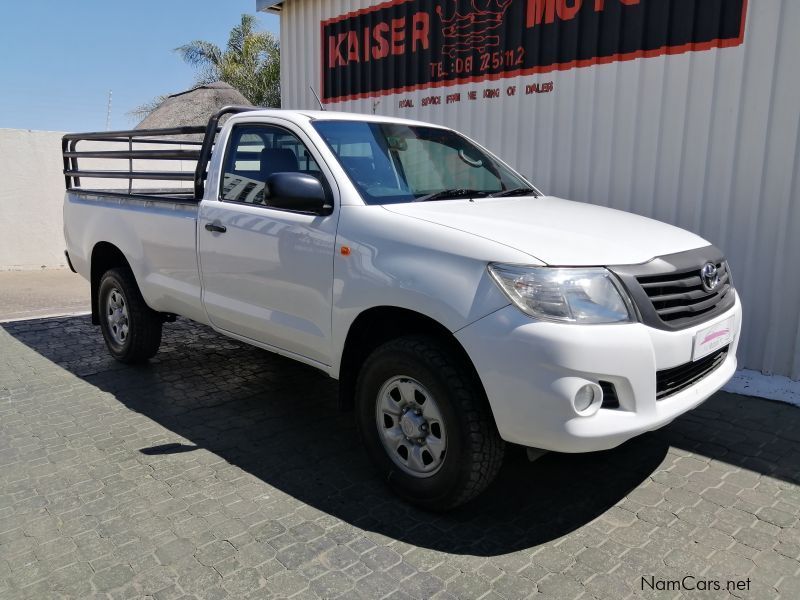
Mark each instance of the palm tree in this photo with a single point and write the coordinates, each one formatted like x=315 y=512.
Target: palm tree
x=250 y=62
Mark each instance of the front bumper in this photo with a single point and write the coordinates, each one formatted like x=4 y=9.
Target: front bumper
x=532 y=369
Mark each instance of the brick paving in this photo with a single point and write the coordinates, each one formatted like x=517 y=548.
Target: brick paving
x=222 y=471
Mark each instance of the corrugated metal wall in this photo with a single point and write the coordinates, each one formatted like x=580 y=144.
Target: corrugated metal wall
x=708 y=140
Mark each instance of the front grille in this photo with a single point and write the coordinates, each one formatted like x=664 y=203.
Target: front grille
x=671 y=381
x=668 y=291
x=679 y=298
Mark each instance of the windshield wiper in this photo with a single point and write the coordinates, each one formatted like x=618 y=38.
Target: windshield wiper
x=452 y=193
x=523 y=191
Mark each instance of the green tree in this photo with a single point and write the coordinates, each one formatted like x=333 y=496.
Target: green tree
x=250 y=62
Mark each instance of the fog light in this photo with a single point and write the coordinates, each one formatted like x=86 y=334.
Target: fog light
x=588 y=399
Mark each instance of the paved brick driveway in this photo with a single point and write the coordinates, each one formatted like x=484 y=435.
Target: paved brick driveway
x=222 y=471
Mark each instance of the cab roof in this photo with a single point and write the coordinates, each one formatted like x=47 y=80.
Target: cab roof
x=328 y=115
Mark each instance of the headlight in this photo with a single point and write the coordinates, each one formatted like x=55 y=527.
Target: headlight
x=569 y=295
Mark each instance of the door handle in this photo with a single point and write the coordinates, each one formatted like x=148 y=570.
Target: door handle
x=216 y=228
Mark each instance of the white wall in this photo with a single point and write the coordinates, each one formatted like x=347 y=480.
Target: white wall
x=706 y=140
x=31 y=192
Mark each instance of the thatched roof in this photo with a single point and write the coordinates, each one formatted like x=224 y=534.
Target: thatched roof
x=193 y=107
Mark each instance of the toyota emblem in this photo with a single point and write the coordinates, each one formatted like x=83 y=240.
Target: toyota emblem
x=709 y=276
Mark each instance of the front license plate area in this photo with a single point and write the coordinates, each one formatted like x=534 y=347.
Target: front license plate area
x=712 y=338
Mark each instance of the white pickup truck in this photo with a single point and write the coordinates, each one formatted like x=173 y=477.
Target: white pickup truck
x=459 y=307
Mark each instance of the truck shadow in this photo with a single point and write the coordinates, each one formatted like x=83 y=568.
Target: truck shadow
x=278 y=420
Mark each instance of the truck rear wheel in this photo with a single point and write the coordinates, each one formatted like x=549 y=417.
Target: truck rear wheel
x=131 y=329
x=426 y=423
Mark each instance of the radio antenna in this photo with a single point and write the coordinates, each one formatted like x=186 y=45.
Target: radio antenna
x=313 y=91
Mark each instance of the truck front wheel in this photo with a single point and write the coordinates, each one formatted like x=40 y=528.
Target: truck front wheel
x=426 y=424
x=131 y=329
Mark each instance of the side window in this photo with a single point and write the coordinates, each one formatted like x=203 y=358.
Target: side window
x=257 y=151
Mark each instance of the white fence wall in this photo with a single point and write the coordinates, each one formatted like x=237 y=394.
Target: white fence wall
x=31 y=191
x=705 y=140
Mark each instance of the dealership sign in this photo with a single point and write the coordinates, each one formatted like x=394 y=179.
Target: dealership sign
x=405 y=45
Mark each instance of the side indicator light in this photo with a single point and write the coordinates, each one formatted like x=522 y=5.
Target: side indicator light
x=345 y=250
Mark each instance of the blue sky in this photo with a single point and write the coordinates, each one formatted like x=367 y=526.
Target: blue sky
x=59 y=58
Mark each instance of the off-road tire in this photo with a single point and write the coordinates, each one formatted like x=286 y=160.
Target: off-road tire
x=144 y=324
x=474 y=451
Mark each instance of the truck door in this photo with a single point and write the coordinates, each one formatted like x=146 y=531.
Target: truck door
x=267 y=273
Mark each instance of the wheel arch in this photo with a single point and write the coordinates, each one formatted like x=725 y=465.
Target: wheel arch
x=105 y=256
x=380 y=324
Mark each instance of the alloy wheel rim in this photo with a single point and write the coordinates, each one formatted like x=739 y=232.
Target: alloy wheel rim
x=410 y=426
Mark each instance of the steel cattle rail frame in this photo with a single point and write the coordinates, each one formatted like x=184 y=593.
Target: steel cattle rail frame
x=73 y=173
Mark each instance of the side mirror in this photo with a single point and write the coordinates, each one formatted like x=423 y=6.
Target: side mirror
x=297 y=191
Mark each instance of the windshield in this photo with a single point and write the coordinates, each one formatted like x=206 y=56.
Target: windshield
x=392 y=162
